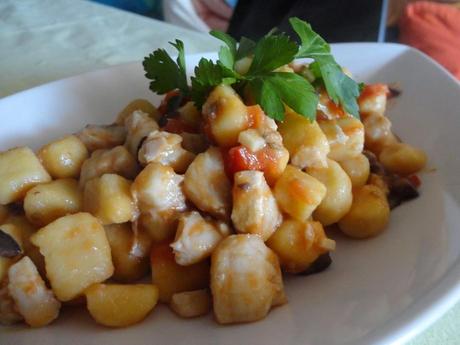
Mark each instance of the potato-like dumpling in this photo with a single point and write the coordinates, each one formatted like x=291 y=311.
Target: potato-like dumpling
x=305 y=141
x=128 y=266
x=191 y=303
x=137 y=104
x=345 y=136
x=77 y=254
x=207 y=185
x=299 y=244
x=20 y=170
x=298 y=193
x=34 y=301
x=246 y=279
x=64 y=157
x=369 y=213
x=378 y=133
x=171 y=278
x=49 y=201
x=109 y=199
x=115 y=305
x=165 y=148
x=97 y=137
x=402 y=159
x=196 y=238
x=338 y=197
x=255 y=210
x=114 y=161
x=139 y=125
x=357 y=169
x=226 y=115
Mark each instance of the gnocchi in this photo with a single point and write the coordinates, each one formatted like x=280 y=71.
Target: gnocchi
x=204 y=202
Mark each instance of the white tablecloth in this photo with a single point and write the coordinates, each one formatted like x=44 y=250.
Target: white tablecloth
x=45 y=40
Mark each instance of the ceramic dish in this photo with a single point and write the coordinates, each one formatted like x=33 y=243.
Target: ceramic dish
x=377 y=291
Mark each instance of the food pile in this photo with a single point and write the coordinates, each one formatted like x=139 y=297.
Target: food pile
x=231 y=181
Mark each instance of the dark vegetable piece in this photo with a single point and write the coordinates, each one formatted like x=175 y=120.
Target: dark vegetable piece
x=320 y=264
x=375 y=166
x=394 y=92
x=8 y=246
x=401 y=188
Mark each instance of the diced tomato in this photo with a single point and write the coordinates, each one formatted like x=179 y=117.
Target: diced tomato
x=373 y=90
x=256 y=116
x=177 y=126
x=240 y=158
x=414 y=180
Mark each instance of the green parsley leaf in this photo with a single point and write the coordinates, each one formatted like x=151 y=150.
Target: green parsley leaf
x=226 y=53
x=312 y=44
x=266 y=96
x=226 y=38
x=207 y=76
x=165 y=74
x=272 y=52
x=288 y=88
x=342 y=89
x=246 y=47
x=296 y=92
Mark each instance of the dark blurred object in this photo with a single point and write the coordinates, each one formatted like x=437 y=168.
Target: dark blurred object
x=149 y=8
x=334 y=20
x=434 y=29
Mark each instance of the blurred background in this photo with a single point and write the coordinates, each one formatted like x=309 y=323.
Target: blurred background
x=433 y=27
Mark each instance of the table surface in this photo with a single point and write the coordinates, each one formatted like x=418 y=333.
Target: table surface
x=45 y=40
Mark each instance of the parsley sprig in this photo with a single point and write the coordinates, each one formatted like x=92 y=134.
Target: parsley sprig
x=269 y=87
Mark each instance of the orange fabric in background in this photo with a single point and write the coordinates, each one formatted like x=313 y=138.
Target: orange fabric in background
x=434 y=29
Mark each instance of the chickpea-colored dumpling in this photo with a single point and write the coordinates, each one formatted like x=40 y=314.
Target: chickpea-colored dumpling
x=171 y=278
x=226 y=115
x=49 y=201
x=77 y=254
x=115 y=305
x=369 y=213
x=298 y=194
x=130 y=255
x=109 y=198
x=305 y=141
x=338 y=197
x=403 y=159
x=299 y=244
x=357 y=169
x=20 y=170
x=63 y=158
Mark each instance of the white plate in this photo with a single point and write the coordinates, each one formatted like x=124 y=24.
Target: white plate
x=377 y=291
